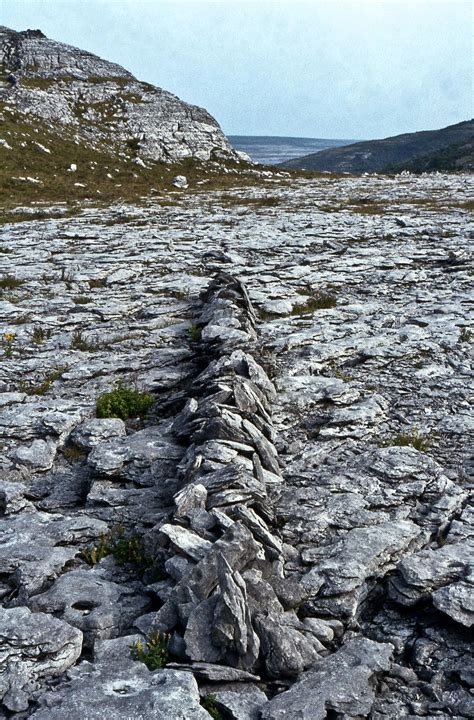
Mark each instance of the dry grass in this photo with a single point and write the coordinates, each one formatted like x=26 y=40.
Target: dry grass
x=105 y=173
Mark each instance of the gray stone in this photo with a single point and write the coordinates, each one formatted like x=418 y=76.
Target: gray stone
x=232 y=627
x=96 y=431
x=189 y=499
x=12 y=497
x=457 y=601
x=100 y=608
x=430 y=569
x=244 y=705
x=339 y=578
x=180 y=181
x=35 y=547
x=129 y=456
x=120 y=688
x=190 y=543
x=38 y=457
x=33 y=647
x=286 y=651
x=342 y=683
x=216 y=673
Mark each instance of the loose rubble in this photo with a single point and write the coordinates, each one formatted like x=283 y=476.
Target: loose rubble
x=293 y=516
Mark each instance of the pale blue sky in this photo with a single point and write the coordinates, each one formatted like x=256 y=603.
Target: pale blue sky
x=334 y=68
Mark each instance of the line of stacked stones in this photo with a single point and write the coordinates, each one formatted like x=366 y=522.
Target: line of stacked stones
x=231 y=605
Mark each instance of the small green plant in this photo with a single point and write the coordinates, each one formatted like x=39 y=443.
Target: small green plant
x=123 y=402
x=126 y=549
x=40 y=334
x=338 y=373
x=97 y=283
x=413 y=439
x=72 y=453
x=93 y=555
x=209 y=703
x=130 y=550
x=465 y=335
x=42 y=387
x=7 y=342
x=154 y=652
x=195 y=333
x=8 y=282
x=20 y=319
x=321 y=301
x=82 y=299
x=134 y=145
x=78 y=342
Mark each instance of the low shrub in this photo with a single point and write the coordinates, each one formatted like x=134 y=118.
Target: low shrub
x=123 y=403
x=154 y=652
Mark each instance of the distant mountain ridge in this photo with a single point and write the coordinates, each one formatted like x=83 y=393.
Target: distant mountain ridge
x=451 y=148
x=101 y=102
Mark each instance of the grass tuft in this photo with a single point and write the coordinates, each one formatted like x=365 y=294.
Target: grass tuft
x=8 y=282
x=413 y=439
x=321 y=301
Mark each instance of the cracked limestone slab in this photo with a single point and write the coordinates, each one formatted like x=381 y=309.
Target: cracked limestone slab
x=33 y=646
x=99 y=608
x=116 y=686
x=339 y=578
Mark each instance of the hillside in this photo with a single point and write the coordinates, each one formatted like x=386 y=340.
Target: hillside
x=102 y=103
x=74 y=127
x=399 y=152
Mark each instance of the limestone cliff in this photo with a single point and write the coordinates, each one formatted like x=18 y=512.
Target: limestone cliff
x=101 y=102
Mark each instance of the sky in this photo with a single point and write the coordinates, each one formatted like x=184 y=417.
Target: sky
x=319 y=68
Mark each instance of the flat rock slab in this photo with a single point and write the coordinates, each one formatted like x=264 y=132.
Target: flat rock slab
x=95 y=431
x=101 y=609
x=35 y=546
x=342 y=683
x=37 y=457
x=123 y=689
x=129 y=456
x=340 y=575
x=33 y=646
x=430 y=569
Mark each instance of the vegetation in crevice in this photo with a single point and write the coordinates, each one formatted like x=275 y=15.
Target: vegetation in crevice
x=153 y=652
x=208 y=702
x=127 y=549
x=124 y=402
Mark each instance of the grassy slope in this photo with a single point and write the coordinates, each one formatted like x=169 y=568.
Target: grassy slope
x=129 y=182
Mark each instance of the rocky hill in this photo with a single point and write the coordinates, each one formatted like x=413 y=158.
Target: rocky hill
x=451 y=148
x=102 y=103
